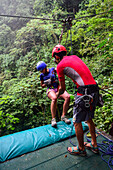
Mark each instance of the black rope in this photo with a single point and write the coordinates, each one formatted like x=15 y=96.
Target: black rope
x=25 y=17
x=93 y=15
x=101 y=88
x=66 y=39
x=64 y=21
x=105 y=91
x=70 y=25
x=64 y=24
x=28 y=17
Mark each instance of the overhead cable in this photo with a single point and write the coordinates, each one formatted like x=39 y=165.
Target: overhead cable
x=92 y=15
x=25 y=17
x=28 y=17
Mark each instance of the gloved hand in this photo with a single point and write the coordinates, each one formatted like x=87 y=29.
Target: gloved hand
x=47 y=82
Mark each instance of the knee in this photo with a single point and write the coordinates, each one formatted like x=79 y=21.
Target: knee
x=67 y=98
x=77 y=125
x=90 y=121
x=54 y=99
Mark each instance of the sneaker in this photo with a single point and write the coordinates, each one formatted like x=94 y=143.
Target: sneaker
x=53 y=122
x=65 y=119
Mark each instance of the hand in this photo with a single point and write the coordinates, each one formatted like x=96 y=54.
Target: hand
x=59 y=93
x=47 y=82
x=56 y=81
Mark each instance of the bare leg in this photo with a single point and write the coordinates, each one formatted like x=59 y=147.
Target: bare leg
x=66 y=97
x=92 y=132
x=79 y=135
x=52 y=96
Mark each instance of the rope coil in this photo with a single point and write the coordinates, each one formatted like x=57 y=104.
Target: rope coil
x=106 y=147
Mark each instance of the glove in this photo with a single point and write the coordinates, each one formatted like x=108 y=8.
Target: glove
x=47 y=82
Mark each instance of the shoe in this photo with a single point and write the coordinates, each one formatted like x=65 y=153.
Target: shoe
x=91 y=147
x=65 y=119
x=53 y=122
x=77 y=151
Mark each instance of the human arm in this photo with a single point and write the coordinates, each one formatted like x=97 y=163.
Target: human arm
x=61 y=78
x=46 y=83
x=45 y=80
x=61 y=88
x=42 y=84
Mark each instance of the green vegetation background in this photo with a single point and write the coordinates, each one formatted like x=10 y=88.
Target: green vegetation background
x=24 y=42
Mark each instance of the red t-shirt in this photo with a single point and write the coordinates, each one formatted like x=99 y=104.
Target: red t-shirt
x=76 y=69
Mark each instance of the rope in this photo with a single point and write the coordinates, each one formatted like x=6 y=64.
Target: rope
x=106 y=147
x=66 y=40
x=28 y=17
x=93 y=15
x=106 y=91
x=70 y=25
x=64 y=24
x=71 y=136
x=69 y=20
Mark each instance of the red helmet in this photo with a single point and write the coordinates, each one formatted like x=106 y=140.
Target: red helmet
x=57 y=49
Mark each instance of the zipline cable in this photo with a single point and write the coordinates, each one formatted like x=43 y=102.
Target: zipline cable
x=69 y=20
x=28 y=17
x=93 y=15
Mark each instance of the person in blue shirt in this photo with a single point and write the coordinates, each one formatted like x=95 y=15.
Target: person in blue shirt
x=49 y=79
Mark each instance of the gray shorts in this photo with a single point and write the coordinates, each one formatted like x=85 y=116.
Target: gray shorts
x=80 y=112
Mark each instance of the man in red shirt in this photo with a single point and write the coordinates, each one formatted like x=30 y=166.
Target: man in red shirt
x=86 y=99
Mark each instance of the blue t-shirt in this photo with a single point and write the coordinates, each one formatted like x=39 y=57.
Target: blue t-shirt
x=51 y=76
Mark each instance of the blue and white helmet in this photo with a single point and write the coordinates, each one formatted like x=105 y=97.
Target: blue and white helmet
x=41 y=65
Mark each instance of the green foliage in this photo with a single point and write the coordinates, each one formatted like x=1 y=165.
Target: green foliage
x=17 y=7
x=23 y=102
x=6 y=38
x=53 y=6
x=43 y=6
x=104 y=115
x=24 y=105
x=7 y=117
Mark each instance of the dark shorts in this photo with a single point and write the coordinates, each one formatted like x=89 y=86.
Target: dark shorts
x=80 y=112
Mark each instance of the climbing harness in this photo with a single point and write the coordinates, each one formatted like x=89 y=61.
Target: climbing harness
x=88 y=92
x=49 y=81
x=88 y=99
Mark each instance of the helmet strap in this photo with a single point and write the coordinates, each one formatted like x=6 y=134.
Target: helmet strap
x=57 y=58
